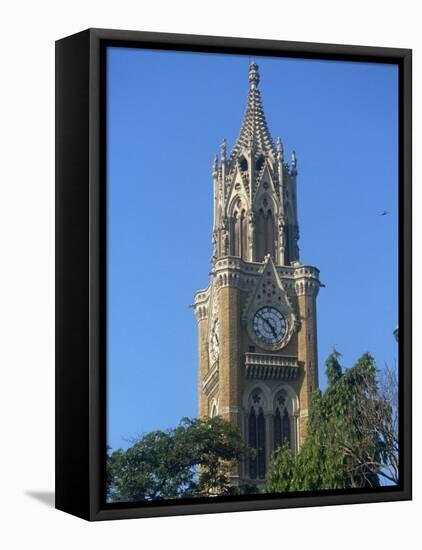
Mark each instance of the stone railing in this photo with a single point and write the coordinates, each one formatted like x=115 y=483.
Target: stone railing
x=274 y=367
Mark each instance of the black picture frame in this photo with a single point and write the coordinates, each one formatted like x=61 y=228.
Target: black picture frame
x=81 y=275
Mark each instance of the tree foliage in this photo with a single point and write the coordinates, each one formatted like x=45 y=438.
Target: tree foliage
x=351 y=436
x=193 y=459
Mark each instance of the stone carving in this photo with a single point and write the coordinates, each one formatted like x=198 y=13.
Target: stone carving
x=214 y=247
x=215 y=165
x=281 y=237
x=280 y=152
x=225 y=236
x=281 y=398
x=294 y=164
x=223 y=149
x=256 y=397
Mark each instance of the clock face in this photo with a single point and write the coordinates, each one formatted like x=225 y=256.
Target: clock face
x=269 y=325
x=214 y=342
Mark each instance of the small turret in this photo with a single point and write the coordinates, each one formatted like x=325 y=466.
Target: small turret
x=294 y=164
x=223 y=150
x=215 y=165
x=280 y=151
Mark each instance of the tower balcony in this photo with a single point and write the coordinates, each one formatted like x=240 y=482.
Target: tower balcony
x=271 y=367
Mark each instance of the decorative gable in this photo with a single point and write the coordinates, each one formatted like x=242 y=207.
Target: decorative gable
x=270 y=291
x=238 y=191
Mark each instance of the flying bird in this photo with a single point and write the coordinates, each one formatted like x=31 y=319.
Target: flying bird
x=384 y=213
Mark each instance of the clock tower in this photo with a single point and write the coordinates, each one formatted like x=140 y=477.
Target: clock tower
x=257 y=333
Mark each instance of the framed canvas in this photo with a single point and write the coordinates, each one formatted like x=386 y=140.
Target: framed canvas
x=233 y=295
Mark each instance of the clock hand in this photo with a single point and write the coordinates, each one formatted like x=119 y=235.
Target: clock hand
x=269 y=324
x=272 y=328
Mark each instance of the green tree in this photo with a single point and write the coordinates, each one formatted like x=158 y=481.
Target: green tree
x=344 y=447
x=193 y=459
x=281 y=470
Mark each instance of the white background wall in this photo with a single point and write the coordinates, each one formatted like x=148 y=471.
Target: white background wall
x=27 y=36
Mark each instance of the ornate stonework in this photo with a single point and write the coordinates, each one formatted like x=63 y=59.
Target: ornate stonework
x=257 y=348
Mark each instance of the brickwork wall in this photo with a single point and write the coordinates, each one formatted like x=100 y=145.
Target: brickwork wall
x=203 y=365
x=230 y=355
x=307 y=354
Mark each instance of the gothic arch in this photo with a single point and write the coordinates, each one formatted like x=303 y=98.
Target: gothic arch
x=235 y=234
x=263 y=392
x=290 y=394
x=257 y=433
x=264 y=199
x=270 y=236
x=244 y=235
x=285 y=405
x=260 y=161
x=238 y=227
x=282 y=427
x=266 y=214
x=243 y=164
x=260 y=235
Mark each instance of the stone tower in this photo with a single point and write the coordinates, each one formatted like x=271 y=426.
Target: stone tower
x=257 y=317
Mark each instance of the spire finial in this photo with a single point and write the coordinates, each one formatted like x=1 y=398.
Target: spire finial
x=294 y=163
x=253 y=75
x=280 y=148
x=215 y=164
x=223 y=149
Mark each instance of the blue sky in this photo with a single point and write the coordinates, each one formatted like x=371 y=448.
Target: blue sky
x=167 y=114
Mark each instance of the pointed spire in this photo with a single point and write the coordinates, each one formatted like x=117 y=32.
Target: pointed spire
x=254 y=126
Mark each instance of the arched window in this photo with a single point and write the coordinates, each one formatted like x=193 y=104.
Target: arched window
x=257 y=438
x=260 y=236
x=237 y=239
x=281 y=427
x=259 y=163
x=243 y=164
x=244 y=235
x=261 y=444
x=265 y=235
x=214 y=411
x=286 y=427
x=239 y=232
x=235 y=235
x=270 y=237
x=277 y=429
x=253 y=470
